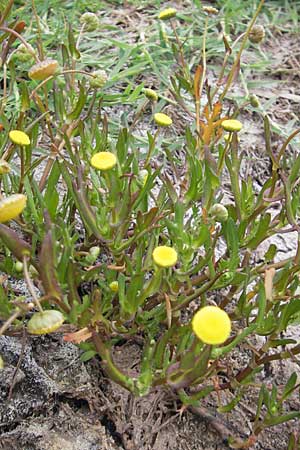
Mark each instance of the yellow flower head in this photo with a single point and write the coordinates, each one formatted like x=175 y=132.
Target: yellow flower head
x=114 y=286
x=103 y=160
x=12 y=206
x=45 y=322
x=19 y=137
x=232 y=125
x=43 y=69
x=167 y=14
x=164 y=256
x=162 y=120
x=212 y=325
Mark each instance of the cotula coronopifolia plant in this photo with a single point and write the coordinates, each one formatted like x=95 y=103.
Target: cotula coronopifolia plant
x=123 y=244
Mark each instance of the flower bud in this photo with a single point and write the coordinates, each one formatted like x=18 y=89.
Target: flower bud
x=94 y=252
x=257 y=34
x=254 y=101
x=99 y=79
x=219 y=212
x=167 y=14
x=18 y=266
x=24 y=53
x=43 y=69
x=114 y=286
x=44 y=322
x=150 y=94
x=90 y=21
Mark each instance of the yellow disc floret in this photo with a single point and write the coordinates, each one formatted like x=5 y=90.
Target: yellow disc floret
x=103 y=160
x=212 y=325
x=19 y=137
x=232 y=125
x=12 y=206
x=45 y=322
x=162 y=120
x=164 y=256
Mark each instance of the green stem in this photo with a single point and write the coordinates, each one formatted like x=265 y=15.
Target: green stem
x=30 y=284
x=113 y=372
x=151 y=148
x=238 y=58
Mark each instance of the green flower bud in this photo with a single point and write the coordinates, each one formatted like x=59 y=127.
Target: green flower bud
x=19 y=266
x=150 y=94
x=257 y=34
x=24 y=53
x=114 y=286
x=90 y=21
x=94 y=252
x=254 y=101
x=99 y=79
x=219 y=212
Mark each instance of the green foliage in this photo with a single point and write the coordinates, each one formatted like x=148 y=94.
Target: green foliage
x=84 y=228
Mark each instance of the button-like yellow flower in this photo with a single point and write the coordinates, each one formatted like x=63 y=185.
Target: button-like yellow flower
x=114 y=286
x=162 y=120
x=43 y=69
x=45 y=322
x=12 y=206
x=103 y=160
x=167 y=14
x=232 y=125
x=164 y=256
x=212 y=325
x=19 y=137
